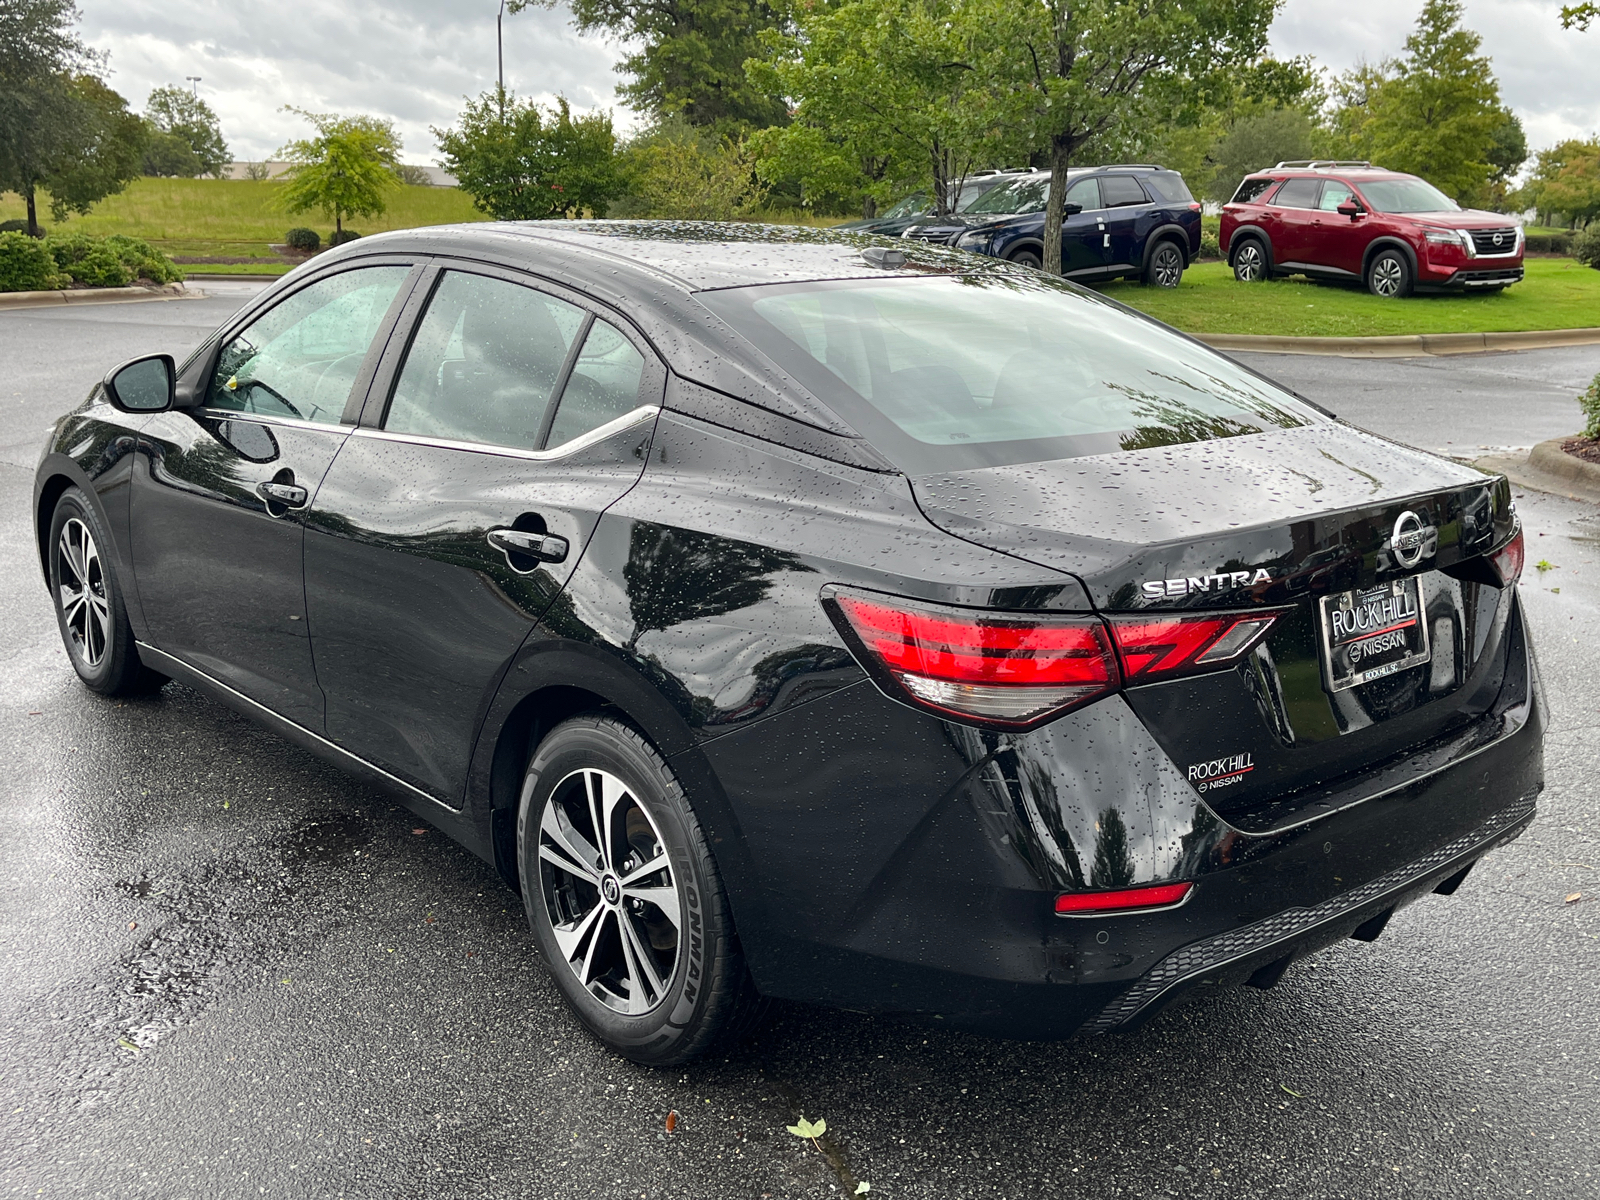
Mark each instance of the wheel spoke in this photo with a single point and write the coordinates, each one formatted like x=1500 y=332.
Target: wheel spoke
x=645 y=871
x=571 y=851
x=571 y=940
x=639 y=966
x=586 y=971
x=664 y=898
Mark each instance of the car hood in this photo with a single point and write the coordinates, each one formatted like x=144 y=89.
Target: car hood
x=1296 y=502
x=1467 y=218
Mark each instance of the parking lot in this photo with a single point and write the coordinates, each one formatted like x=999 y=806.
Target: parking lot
x=230 y=970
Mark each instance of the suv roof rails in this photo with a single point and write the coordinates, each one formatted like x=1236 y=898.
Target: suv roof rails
x=1128 y=167
x=1327 y=164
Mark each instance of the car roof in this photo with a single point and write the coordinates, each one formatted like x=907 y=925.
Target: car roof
x=1356 y=171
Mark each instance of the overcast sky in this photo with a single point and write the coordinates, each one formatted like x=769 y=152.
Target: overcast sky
x=414 y=60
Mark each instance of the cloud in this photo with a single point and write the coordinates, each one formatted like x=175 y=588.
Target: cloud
x=409 y=60
x=413 y=60
x=1548 y=76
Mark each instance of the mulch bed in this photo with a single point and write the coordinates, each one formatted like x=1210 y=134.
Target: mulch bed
x=1587 y=449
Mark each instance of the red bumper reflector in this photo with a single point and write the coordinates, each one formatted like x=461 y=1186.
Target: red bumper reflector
x=1161 y=896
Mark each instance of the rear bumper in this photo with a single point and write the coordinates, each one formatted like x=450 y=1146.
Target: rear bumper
x=909 y=865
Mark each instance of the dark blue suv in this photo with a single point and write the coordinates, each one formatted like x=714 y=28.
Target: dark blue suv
x=1135 y=221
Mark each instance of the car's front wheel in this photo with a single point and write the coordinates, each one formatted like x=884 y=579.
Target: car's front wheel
x=1028 y=258
x=1165 y=268
x=625 y=901
x=1389 y=275
x=1250 y=261
x=88 y=600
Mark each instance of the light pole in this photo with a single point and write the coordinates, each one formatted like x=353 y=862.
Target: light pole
x=194 y=80
x=500 y=50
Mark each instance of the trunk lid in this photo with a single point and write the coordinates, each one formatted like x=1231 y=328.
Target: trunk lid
x=1275 y=520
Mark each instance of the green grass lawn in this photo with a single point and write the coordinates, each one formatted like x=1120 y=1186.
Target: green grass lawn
x=222 y=218
x=1558 y=293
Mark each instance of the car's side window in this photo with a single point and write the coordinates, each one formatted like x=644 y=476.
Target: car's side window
x=301 y=357
x=1251 y=189
x=1119 y=190
x=1085 y=192
x=1334 y=194
x=484 y=363
x=1297 y=193
x=604 y=385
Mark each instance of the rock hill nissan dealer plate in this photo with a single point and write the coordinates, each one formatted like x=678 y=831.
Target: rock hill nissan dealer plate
x=787 y=613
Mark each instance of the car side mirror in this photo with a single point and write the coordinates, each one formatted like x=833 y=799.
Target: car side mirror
x=142 y=385
x=1071 y=210
x=1351 y=209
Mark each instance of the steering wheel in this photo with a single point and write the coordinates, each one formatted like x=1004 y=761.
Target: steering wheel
x=276 y=395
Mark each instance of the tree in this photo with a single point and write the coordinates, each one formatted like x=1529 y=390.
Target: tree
x=1271 y=136
x=40 y=51
x=894 y=88
x=1566 y=181
x=685 y=172
x=346 y=170
x=1072 y=72
x=1434 y=112
x=1579 y=16
x=169 y=156
x=176 y=113
x=689 y=59
x=103 y=154
x=521 y=163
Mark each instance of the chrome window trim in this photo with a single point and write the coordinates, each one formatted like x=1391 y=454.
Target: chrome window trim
x=598 y=434
x=239 y=414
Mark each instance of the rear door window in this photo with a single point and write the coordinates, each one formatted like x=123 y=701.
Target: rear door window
x=485 y=363
x=605 y=384
x=1117 y=191
x=1297 y=193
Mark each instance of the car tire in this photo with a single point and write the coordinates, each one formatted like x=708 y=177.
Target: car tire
x=1250 y=261
x=648 y=961
x=88 y=599
x=1028 y=258
x=1389 y=275
x=1165 y=268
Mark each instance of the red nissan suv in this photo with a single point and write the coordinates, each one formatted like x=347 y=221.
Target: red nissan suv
x=1351 y=220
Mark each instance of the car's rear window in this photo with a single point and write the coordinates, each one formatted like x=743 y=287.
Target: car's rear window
x=956 y=372
x=1169 y=185
x=1252 y=188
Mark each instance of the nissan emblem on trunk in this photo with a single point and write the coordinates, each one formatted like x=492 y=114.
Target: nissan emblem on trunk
x=1411 y=539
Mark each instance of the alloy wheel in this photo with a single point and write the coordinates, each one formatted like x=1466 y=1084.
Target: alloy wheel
x=1388 y=274
x=1248 y=262
x=610 y=891
x=1167 y=267
x=81 y=592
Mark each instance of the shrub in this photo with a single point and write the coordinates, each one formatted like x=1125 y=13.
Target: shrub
x=341 y=236
x=113 y=261
x=302 y=239
x=1586 y=246
x=18 y=225
x=26 y=265
x=1590 y=403
x=1210 y=246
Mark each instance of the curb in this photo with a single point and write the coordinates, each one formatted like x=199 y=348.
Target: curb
x=1549 y=468
x=1403 y=345
x=122 y=295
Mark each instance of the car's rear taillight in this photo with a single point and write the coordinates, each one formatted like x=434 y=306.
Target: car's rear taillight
x=1508 y=560
x=1006 y=670
x=1084 y=904
x=1164 y=647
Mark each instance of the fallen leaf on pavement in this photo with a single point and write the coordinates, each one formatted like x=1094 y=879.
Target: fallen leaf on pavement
x=672 y=1120
x=808 y=1129
x=1575 y=897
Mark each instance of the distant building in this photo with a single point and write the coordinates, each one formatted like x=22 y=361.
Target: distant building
x=435 y=176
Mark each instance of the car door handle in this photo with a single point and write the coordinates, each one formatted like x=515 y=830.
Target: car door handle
x=546 y=547
x=289 y=495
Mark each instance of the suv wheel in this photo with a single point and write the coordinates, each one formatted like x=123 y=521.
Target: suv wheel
x=1028 y=258
x=1166 y=266
x=1250 y=261
x=624 y=899
x=1389 y=275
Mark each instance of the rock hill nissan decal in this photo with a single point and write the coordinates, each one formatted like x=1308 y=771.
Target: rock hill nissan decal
x=1161 y=589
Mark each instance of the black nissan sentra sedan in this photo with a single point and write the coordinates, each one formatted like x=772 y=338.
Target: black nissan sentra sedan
x=786 y=615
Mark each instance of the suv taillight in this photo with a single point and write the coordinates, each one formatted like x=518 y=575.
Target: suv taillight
x=1508 y=560
x=1016 y=670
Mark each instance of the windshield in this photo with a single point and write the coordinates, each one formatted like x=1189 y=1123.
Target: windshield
x=1407 y=196
x=913 y=205
x=1023 y=195
x=956 y=372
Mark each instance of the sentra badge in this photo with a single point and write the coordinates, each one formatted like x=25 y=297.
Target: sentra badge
x=1162 y=589
x=1217 y=773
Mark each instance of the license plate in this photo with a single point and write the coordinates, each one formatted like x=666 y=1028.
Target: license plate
x=1372 y=633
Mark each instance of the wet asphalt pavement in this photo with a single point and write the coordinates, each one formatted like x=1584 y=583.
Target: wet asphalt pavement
x=228 y=970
